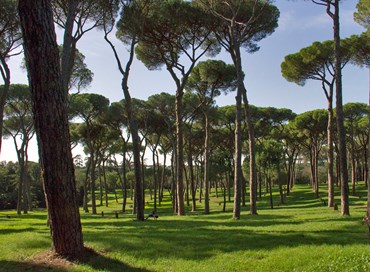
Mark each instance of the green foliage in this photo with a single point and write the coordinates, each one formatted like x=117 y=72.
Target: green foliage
x=166 y=30
x=252 y=21
x=362 y=15
x=10 y=32
x=211 y=78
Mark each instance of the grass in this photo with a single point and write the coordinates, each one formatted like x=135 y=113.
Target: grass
x=302 y=235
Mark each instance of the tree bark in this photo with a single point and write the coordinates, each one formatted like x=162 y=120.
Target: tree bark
x=206 y=165
x=340 y=115
x=330 y=156
x=179 y=153
x=49 y=103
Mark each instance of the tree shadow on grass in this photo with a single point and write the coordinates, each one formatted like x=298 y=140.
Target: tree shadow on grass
x=177 y=238
x=99 y=261
x=48 y=261
x=6 y=266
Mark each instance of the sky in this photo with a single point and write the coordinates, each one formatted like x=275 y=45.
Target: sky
x=300 y=24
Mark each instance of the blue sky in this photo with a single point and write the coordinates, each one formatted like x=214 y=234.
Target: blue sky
x=300 y=24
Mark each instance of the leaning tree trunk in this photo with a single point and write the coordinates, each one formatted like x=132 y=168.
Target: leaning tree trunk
x=138 y=205
x=3 y=96
x=49 y=104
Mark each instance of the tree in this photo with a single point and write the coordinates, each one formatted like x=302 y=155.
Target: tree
x=18 y=125
x=89 y=107
x=129 y=38
x=270 y=157
x=116 y=119
x=240 y=24
x=10 y=40
x=316 y=62
x=208 y=79
x=352 y=113
x=77 y=18
x=332 y=9
x=171 y=29
x=362 y=16
x=312 y=127
x=81 y=76
x=49 y=105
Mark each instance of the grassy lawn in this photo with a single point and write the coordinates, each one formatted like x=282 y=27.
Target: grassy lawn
x=302 y=235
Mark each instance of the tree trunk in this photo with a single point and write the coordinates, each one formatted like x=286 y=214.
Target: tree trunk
x=4 y=94
x=252 y=157
x=238 y=157
x=92 y=181
x=124 y=180
x=49 y=103
x=340 y=115
x=191 y=173
x=280 y=186
x=138 y=205
x=105 y=185
x=330 y=156
x=155 y=177
x=206 y=165
x=85 y=200
x=179 y=154
x=163 y=178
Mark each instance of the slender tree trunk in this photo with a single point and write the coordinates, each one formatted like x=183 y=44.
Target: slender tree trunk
x=252 y=157
x=280 y=186
x=163 y=177
x=367 y=152
x=100 y=184
x=138 y=205
x=339 y=111
x=330 y=156
x=4 y=94
x=69 y=45
x=105 y=185
x=155 y=178
x=92 y=181
x=238 y=157
x=85 y=200
x=173 y=179
x=192 y=180
x=179 y=154
x=49 y=103
x=206 y=165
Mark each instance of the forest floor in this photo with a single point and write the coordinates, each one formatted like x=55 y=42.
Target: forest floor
x=300 y=235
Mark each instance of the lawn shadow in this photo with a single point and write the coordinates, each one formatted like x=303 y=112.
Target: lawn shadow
x=6 y=266
x=101 y=262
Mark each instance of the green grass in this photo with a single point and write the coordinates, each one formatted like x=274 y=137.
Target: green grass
x=302 y=235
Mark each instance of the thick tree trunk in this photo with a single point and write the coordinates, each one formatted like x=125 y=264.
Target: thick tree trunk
x=49 y=103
